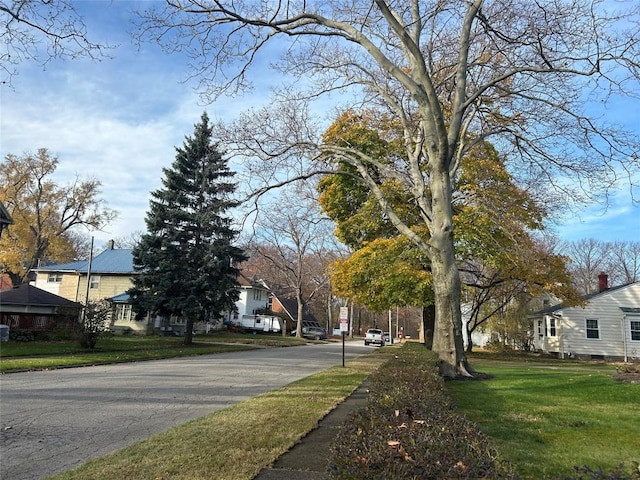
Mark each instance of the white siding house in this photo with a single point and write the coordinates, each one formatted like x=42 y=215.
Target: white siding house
x=606 y=327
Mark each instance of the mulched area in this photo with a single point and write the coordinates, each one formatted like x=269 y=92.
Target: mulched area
x=629 y=374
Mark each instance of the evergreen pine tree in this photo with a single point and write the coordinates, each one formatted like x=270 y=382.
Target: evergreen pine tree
x=186 y=260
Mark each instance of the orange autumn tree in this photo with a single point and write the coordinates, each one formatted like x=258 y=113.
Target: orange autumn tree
x=47 y=216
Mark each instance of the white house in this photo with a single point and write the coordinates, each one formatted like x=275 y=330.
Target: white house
x=606 y=327
x=251 y=306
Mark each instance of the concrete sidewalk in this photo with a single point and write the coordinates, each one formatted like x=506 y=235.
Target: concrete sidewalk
x=308 y=459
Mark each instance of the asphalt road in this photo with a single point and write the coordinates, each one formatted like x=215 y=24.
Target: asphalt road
x=55 y=420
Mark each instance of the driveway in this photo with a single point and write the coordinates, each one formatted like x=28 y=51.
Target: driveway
x=55 y=420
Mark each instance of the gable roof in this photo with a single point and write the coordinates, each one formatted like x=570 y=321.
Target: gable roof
x=114 y=261
x=5 y=218
x=586 y=298
x=26 y=294
x=290 y=306
x=252 y=282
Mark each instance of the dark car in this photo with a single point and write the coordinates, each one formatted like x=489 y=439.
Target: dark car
x=314 y=333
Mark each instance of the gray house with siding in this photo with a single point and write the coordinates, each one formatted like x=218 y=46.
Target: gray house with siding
x=606 y=327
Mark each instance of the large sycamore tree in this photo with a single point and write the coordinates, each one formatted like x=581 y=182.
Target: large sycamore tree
x=453 y=73
x=187 y=262
x=497 y=225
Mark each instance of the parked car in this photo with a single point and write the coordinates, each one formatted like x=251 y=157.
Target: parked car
x=387 y=338
x=314 y=333
x=375 y=336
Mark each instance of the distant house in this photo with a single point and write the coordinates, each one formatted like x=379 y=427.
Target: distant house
x=606 y=327
x=252 y=307
x=286 y=305
x=26 y=307
x=107 y=278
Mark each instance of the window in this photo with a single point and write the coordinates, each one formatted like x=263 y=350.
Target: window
x=552 y=327
x=257 y=294
x=55 y=277
x=540 y=328
x=40 y=322
x=592 y=329
x=635 y=330
x=94 y=281
x=123 y=312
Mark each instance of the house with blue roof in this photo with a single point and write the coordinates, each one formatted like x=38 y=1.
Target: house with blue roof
x=107 y=276
x=605 y=327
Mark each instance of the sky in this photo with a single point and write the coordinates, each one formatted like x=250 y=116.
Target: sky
x=120 y=119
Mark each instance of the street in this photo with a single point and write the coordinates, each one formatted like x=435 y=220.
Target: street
x=53 y=421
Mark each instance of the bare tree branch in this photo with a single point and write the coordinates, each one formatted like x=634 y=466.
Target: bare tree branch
x=40 y=31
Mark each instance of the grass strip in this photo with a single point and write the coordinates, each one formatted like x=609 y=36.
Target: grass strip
x=105 y=358
x=548 y=417
x=20 y=356
x=237 y=442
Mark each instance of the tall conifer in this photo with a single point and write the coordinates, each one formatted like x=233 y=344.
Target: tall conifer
x=186 y=260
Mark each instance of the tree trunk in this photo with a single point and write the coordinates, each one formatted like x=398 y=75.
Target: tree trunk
x=188 y=333
x=469 y=348
x=300 y=313
x=428 y=325
x=447 y=336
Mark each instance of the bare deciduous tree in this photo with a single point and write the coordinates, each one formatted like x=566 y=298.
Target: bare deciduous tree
x=294 y=241
x=620 y=260
x=40 y=31
x=452 y=73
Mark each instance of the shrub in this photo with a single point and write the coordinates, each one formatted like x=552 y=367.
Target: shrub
x=409 y=429
x=18 y=335
x=92 y=323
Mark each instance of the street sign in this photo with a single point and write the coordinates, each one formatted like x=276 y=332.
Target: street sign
x=344 y=319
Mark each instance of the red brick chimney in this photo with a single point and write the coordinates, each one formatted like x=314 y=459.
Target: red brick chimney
x=603 y=282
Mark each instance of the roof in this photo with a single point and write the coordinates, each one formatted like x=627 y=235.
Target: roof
x=5 y=218
x=589 y=297
x=115 y=261
x=121 y=298
x=26 y=294
x=290 y=306
x=253 y=282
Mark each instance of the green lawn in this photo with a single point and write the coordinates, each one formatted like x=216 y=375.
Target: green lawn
x=118 y=349
x=547 y=417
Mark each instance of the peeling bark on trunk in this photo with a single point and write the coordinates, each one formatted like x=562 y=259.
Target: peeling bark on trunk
x=447 y=336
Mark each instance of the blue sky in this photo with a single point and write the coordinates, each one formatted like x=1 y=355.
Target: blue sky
x=119 y=120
